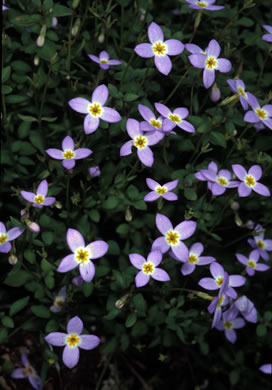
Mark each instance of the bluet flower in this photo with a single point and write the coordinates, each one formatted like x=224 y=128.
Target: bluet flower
x=206 y=5
x=267 y=37
x=104 y=60
x=245 y=307
x=150 y=123
x=174 y=118
x=160 y=191
x=39 y=199
x=28 y=372
x=7 y=236
x=238 y=86
x=220 y=181
x=94 y=171
x=262 y=245
x=259 y=114
x=195 y=259
x=59 y=301
x=266 y=368
x=229 y=327
x=251 y=263
x=220 y=301
x=250 y=180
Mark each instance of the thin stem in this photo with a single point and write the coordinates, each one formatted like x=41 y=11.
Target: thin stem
x=68 y=61
x=126 y=68
x=234 y=144
x=262 y=68
x=67 y=203
x=103 y=372
x=143 y=80
x=135 y=166
x=176 y=87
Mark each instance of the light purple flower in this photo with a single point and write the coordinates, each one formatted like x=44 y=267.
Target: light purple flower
x=150 y=123
x=141 y=142
x=266 y=368
x=212 y=168
x=195 y=259
x=104 y=60
x=260 y=243
x=204 y=5
x=238 y=86
x=59 y=301
x=82 y=255
x=159 y=48
x=160 y=191
x=28 y=372
x=69 y=154
x=95 y=109
x=214 y=283
x=174 y=118
x=39 y=199
x=148 y=268
x=94 y=171
x=267 y=37
x=250 y=180
x=7 y=236
x=221 y=300
x=251 y=263
x=210 y=62
x=194 y=49
x=245 y=307
x=172 y=237
x=72 y=341
x=259 y=114
x=229 y=326
x=219 y=180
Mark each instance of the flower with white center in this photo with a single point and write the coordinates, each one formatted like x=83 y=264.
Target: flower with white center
x=72 y=341
x=159 y=48
x=148 y=268
x=238 y=87
x=250 y=180
x=174 y=118
x=259 y=115
x=251 y=263
x=4 y=8
x=195 y=259
x=141 y=142
x=39 y=199
x=82 y=255
x=206 y=5
x=68 y=155
x=95 y=109
x=7 y=236
x=59 y=301
x=28 y=372
x=210 y=62
x=258 y=242
x=104 y=60
x=220 y=180
x=230 y=326
x=160 y=191
x=201 y=175
x=221 y=300
x=150 y=123
x=172 y=237
x=267 y=37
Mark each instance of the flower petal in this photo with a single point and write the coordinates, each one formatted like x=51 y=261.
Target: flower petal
x=244 y=190
x=151 y=183
x=104 y=55
x=161 y=244
x=67 y=264
x=89 y=341
x=110 y=115
x=186 y=229
x=186 y=126
x=100 y=94
x=181 y=252
x=155 y=33
x=68 y=143
x=141 y=279
x=5 y=248
x=151 y=196
x=216 y=270
x=94 y=58
x=79 y=105
x=171 y=184
x=74 y=239
x=198 y=60
x=126 y=149
x=155 y=257
x=35 y=382
x=48 y=201
x=56 y=338
x=187 y=268
x=155 y=137
x=213 y=48
x=160 y=275
x=163 y=223
x=175 y=47
x=146 y=156
x=261 y=189
x=68 y=164
x=133 y=127
x=82 y=153
x=239 y=171
x=18 y=373
x=42 y=188
x=208 y=77
x=136 y=260
x=224 y=65
x=163 y=64
x=70 y=356
x=208 y=284
x=98 y=248
x=55 y=153
x=75 y=325
x=146 y=113
x=144 y=50
x=170 y=196
x=87 y=271
x=14 y=233
x=162 y=109
x=90 y=124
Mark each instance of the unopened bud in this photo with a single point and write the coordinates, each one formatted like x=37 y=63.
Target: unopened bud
x=76 y=27
x=229 y=99
x=215 y=93
x=101 y=38
x=128 y=214
x=198 y=19
x=54 y=22
x=204 y=296
x=58 y=205
x=75 y=4
x=36 y=60
x=235 y=206
x=33 y=226
x=41 y=38
x=12 y=259
x=77 y=281
x=238 y=220
x=122 y=301
x=250 y=224
x=94 y=171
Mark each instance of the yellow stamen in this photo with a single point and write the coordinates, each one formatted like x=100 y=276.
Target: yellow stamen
x=72 y=340
x=193 y=258
x=159 y=48
x=29 y=371
x=201 y=4
x=251 y=264
x=104 y=61
x=219 y=280
x=260 y=244
x=161 y=190
x=3 y=238
x=140 y=141
x=262 y=114
x=68 y=154
x=172 y=237
x=95 y=109
x=148 y=268
x=222 y=181
x=59 y=302
x=241 y=92
x=39 y=199
x=155 y=123
x=82 y=255
x=211 y=63
x=228 y=325
x=250 y=181
x=174 y=118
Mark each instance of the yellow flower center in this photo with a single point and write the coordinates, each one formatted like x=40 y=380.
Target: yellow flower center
x=59 y=302
x=260 y=244
x=222 y=181
x=242 y=92
x=95 y=110
x=251 y=264
x=262 y=114
x=29 y=371
x=159 y=48
x=220 y=301
x=250 y=181
x=174 y=118
x=148 y=268
x=104 y=61
x=82 y=255
x=155 y=123
x=39 y=199
x=228 y=325
x=193 y=258
x=202 y=4
x=172 y=237
x=68 y=154
x=211 y=63
x=72 y=340
x=219 y=280
x=140 y=141
x=3 y=238
x=161 y=190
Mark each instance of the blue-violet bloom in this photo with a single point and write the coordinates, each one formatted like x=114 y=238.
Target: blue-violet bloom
x=206 y=5
x=39 y=199
x=7 y=236
x=104 y=60
x=160 y=191
x=174 y=118
x=259 y=114
x=251 y=263
x=259 y=243
x=250 y=180
x=28 y=372
x=267 y=37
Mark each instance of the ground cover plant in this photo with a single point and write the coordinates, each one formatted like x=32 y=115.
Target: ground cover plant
x=135 y=233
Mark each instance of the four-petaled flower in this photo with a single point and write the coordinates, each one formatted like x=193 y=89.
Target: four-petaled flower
x=160 y=191
x=28 y=372
x=172 y=237
x=82 y=255
x=267 y=37
x=73 y=340
x=250 y=180
x=148 y=268
x=141 y=142
x=7 y=236
x=59 y=301
x=238 y=86
x=150 y=123
x=39 y=199
x=95 y=109
x=219 y=180
x=221 y=300
x=68 y=154
x=195 y=259
x=259 y=115
x=210 y=62
x=260 y=243
x=251 y=263
x=174 y=118
x=104 y=60
x=229 y=326
x=204 y=5
x=159 y=48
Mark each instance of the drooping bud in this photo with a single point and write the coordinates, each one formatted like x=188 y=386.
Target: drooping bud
x=215 y=93
x=36 y=60
x=235 y=206
x=94 y=171
x=122 y=301
x=12 y=259
x=75 y=28
x=128 y=214
x=41 y=38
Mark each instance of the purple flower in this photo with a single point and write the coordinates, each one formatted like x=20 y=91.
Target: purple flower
x=159 y=49
x=259 y=114
x=194 y=49
x=245 y=307
x=219 y=181
x=195 y=259
x=210 y=62
x=59 y=301
x=216 y=282
x=238 y=86
x=250 y=180
x=160 y=191
x=221 y=300
x=104 y=60
x=72 y=340
x=266 y=368
x=260 y=243
x=175 y=118
x=204 y=5
x=141 y=142
x=82 y=255
x=212 y=168
x=7 y=236
x=267 y=37
x=251 y=263
x=39 y=199
x=229 y=326
x=148 y=267
x=95 y=109
x=151 y=123
x=27 y=372
x=172 y=237
x=68 y=154
x=94 y=171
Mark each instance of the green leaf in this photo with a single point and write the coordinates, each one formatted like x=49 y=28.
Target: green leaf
x=60 y=10
x=46 y=266
x=17 y=279
x=21 y=66
x=50 y=281
x=190 y=194
x=27 y=118
x=87 y=289
x=139 y=329
x=234 y=377
x=5 y=74
x=261 y=330
x=217 y=138
x=52 y=326
x=140 y=205
x=41 y=311
x=37 y=141
x=94 y=215
x=3 y=335
x=114 y=248
x=17 y=306
x=49 y=119
x=26 y=161
x=13 y=99
x=246 y=22
x=123 y=229
x=30 y=256
x=113 y=91
x=48 y=238
x=130 y=97
x=139 y=303
x=7 y=322
x=110 y=203
x=6 y=89
x=131 y=319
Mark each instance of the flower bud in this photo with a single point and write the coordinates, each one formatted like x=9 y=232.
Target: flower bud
x=235 y=206
x=77 y=281
x=58 y=205
x=75 y=4
x=36 y=60
x=215 y=93
x=128 y=214
x=101 y=37
x=33 y=227
x=76 y=27
x=41 y=38
x=94 y=171
x=238 y=220
x=12 y=259
x=54 y=22
x=122 y=301
x=250 y=224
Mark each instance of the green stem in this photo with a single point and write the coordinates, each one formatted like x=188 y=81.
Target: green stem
x=234 y=144
x=220 y=215
x=135 y=166
x=143 y=80
x=262 y=68
x=44 y=94
x=126 y=68
x=67 y=203
x=176 y=87
x=237 y=239
x=68 y=61
x=103 y=372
